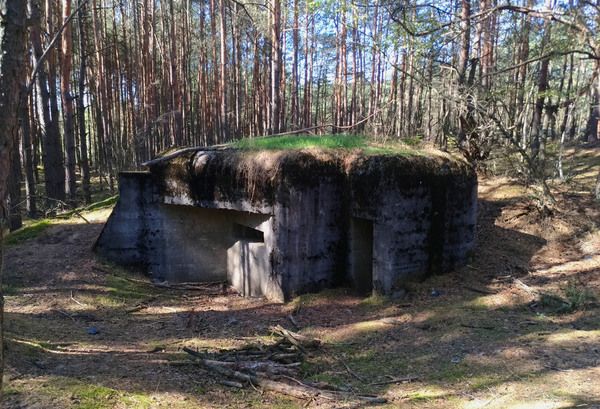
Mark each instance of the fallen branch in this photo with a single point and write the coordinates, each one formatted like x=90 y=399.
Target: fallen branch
x=479 y=290
x=302 y=342
x=298 y=390
x=525 y=287
x=351 y=372
x=77 y=302
x=273 y=368
x=489 y=327
x=285 y=357
x=192 y=286
x=141 y=305
x=393 y=380
x=293 y=321
x=183 y=151
x=65 y=314
x=231 y=384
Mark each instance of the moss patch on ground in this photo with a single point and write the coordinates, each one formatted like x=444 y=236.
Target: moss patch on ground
x=31 y=230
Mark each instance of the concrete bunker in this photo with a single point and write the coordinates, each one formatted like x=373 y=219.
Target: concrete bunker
x=282 y=223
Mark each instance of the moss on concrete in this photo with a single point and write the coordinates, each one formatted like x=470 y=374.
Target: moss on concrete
x=260 y=170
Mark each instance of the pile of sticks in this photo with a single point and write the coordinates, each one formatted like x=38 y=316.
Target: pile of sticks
x=275 y=368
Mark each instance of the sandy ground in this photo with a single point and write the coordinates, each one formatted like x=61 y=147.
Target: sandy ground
x=474 y=338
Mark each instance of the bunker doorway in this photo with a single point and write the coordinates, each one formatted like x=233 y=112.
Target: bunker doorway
x=361 y=254
x=248 y=264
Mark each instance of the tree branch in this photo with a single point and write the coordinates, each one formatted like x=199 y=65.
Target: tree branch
x=51 y=45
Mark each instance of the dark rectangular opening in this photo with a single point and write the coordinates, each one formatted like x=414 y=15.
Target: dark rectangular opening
x=245 y=233
x=361 y=254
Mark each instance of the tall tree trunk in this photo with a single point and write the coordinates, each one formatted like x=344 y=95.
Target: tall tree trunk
x=52 y=14
x=467 y=125
x=592 y=130
x=275 y=65
x=12 y=59
x=83 y=151
x=465 y=41
x=54 y=176
x=296 y=52
x=308 y=67
x=522 y=77
x=66 y=68
x=27 y=148
x=374 y=59
x=237 y=68
x=215 y=111
x=15 y=221
x=223 y=72
x=542 y=86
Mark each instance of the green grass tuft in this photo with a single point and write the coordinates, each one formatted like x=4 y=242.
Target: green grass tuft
x=576 y=297
x=340 y=141
x=124 y=289
x=375 y=301
x=84 y=395
x=28 y=232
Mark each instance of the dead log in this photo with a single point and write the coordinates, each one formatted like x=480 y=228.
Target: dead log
x=259 y=366
x=232 y=384
x=285 y=357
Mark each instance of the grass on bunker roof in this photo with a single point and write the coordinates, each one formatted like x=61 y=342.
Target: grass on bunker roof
x=337 y=141
x=480 y=342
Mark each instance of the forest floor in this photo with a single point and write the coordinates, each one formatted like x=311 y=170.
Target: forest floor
x=518 y=327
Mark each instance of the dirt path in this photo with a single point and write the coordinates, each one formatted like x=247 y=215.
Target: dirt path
x=475 y=338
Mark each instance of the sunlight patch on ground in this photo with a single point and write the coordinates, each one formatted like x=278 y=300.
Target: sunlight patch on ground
x=590 y=244
x=500 y=188
x=494 y=301
x=343 y=333
x=574 y=336
x=572 y=267
x=535 y=404
x=427 y=394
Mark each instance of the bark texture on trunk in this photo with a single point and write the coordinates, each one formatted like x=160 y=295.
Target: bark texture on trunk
x=12 y=58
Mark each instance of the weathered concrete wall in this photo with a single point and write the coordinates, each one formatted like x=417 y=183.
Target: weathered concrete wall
x=322 y=218
x=193 y=244
x=123 y=239
x=310 y=227
x=460 y=222
x=423 y=212
x=401 y=238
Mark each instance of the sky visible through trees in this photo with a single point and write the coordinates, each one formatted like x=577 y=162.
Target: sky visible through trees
x=109 y=84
